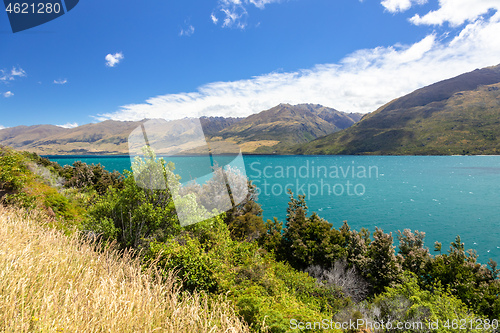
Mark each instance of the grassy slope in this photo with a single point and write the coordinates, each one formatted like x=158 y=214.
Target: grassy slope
x=54 y=283
x=455 y=116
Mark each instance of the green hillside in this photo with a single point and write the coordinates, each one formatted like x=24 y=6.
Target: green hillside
x=455 y=116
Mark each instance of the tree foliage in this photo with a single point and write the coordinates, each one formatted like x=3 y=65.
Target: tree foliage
x=96 y=177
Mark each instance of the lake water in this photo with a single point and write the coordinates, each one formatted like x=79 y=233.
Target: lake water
x=444 y=196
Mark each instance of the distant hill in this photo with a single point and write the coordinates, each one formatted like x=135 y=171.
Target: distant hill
x=285 y=125
x=22 y=136
x=107 y=137
x=276 y=129
x=460 y=115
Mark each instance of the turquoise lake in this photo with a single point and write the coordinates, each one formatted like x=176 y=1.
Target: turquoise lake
x=443 y=196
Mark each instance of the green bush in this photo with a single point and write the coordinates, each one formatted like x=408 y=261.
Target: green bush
x=95 y=177
x=266 y=293
x=13 y=171
x=132 y=215
x=408 y=302
x=466 y=278
x=23 y=184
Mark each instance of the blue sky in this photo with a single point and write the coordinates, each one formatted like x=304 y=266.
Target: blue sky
x=129 y=60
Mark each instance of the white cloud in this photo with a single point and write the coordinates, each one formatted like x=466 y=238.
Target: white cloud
x=6 y=76
x=17 y=72
x=235 y=11
x=215 y=20
x=395 y=6
x=262 y=3
x=8 y=94
x=61 y=81
x=2 y=127
x=114 y=59
x=361 y=82
x=189 y=31
x=69 y=125
x=456 y=12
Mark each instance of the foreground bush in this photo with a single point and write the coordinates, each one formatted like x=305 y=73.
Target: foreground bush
x=267 y=294
x=53 y=283
x=26 y=183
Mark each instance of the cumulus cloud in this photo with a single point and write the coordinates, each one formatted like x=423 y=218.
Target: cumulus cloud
x=114 y=59
x=2 y=127
x=235 y=11
x=361 y=82
x=395 y=6
x=61 y=81
x=69 y=125
x=456 y=12
x=6 y=75
x=8 y=94
x=189 y=31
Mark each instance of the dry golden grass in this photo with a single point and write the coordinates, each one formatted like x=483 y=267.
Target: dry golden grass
x=53 y=283
x=251 y=146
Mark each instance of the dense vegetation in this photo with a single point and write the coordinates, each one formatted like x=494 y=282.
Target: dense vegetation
x=273 y=272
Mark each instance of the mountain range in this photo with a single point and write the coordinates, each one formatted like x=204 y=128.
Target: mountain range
x=276 y=129
x=285 y=125
x=460 y=115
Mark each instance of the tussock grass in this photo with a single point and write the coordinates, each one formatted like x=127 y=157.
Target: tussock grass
x=50 y=282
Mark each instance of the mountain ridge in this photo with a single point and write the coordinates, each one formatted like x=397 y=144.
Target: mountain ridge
x=459 y=115
x=275 y=129
x=291 y=124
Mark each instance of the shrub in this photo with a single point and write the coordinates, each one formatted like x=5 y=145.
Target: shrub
x=467 y=279
x=408 y=302
x=267 y=294
x=411 y=248
x=28 y=185
x=132 y=215
x=384 y=269
x=95 y=177
x=310 y=240
x=13 y=171
x=349 y=280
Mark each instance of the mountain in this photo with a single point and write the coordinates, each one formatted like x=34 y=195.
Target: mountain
x=278 y=128
x=107 y=137
x=212 y=125
x=283 y=126
x=460 y=115
x=21 y=136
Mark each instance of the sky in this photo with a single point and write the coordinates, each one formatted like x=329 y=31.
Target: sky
x=130 y=60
